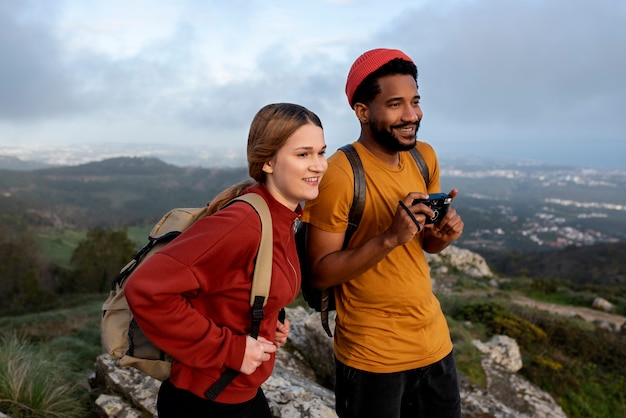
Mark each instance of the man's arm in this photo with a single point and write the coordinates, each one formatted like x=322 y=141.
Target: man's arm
x=331 y=265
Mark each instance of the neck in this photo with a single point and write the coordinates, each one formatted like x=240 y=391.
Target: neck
x=391 y=158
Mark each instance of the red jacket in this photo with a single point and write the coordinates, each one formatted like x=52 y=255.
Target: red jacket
x=192 y=297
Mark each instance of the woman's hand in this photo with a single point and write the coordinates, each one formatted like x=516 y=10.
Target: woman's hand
x=282 y=332
x=257 y=351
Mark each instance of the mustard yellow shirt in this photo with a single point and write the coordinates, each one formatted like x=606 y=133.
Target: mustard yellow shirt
x=388 y=319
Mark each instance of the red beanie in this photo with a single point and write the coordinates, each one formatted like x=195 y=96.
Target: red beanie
x=366 y=64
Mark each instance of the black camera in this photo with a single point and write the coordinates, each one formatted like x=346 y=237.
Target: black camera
x=439 y=203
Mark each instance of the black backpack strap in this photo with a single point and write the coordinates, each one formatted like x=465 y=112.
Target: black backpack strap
x=421 y=164
x=358 y=202
x=354 y=217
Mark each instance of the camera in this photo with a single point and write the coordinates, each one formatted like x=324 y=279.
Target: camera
x=439 y=203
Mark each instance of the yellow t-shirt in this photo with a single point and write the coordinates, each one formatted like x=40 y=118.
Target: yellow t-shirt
x=388 y=319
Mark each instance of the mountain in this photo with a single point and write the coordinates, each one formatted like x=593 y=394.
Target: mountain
x=8 y=162
x=117 y=192
x=520 y=212
x=505 y=206
x=34 y=156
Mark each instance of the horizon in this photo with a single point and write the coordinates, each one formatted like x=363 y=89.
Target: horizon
x=188 y=156
x=513 y=79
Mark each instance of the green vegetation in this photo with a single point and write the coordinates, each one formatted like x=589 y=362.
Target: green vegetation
x=580 y=365
x=97 y=260
x=45 y=360
x=33 y=383
x=59 y=244
x=30 y=283
x=66 y=232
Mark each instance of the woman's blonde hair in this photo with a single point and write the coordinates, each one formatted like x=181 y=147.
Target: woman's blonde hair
x=269 y=130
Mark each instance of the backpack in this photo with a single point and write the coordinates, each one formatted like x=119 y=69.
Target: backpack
x=323 y=301
x=121 y=336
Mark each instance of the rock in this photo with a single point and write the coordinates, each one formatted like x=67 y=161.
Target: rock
x=303 y=374
x=503 y=351
x=508 y=394
x=293 y=392
x=124 y=389
x=470 y=263
x=602 y=305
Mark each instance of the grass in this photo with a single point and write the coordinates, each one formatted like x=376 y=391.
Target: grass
x=576 y=363
x=466 y=356
x=33 y=382
x=579 y=365
x=59 y=244
x=72 y=332
x=46 y=359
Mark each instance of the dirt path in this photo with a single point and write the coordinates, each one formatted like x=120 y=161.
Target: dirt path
x=586 y=313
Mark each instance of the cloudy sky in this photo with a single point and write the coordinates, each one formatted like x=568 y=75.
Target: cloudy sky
x=540 y=80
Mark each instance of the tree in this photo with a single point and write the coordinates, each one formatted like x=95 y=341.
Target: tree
x=25 y=277
x=97 y=260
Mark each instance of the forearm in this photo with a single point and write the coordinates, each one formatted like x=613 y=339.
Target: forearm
x=434 y=245
x=341 y=266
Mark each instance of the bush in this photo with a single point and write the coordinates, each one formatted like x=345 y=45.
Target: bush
x=499 y=320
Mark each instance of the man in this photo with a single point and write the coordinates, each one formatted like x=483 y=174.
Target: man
x=392 y=345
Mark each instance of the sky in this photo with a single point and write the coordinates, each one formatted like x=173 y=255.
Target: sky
x=535 y=80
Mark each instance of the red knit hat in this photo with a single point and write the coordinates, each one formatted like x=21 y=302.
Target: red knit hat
x=366 y=64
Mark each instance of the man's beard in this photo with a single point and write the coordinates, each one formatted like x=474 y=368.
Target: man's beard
x=386 y=138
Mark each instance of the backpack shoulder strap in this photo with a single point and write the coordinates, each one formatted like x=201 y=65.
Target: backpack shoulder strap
x=358 y=202
x=261 y=280
x=421 y=164
x=354 y=217
x=262 y=276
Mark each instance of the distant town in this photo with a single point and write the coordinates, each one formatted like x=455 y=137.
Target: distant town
x=522 y=206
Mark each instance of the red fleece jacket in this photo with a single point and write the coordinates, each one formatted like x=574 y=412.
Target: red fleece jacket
x=192 y=297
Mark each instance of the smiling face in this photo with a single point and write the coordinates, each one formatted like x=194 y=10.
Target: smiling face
x=294 y=173
x=394 y=115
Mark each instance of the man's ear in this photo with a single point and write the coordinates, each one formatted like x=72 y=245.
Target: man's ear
x=362 y=112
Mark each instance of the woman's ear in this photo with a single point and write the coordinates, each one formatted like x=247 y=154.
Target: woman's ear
x=268 y=167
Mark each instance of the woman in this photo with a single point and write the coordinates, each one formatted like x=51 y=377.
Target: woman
x=198 y=311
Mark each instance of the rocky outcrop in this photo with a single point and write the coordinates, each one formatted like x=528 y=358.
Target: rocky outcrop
x=508 y=394
x=466 y=261
x=294 y=391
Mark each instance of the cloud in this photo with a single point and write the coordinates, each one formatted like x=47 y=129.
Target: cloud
x=34 y=80
x=494 y=76
x=517 y=69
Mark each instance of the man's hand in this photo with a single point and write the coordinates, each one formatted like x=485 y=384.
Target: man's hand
x=439 y=235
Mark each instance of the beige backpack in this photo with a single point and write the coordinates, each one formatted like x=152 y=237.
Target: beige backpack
x=122 y=338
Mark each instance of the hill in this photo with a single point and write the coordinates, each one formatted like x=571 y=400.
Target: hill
x=542 y=221
x=601 y=265
x=114 y=193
